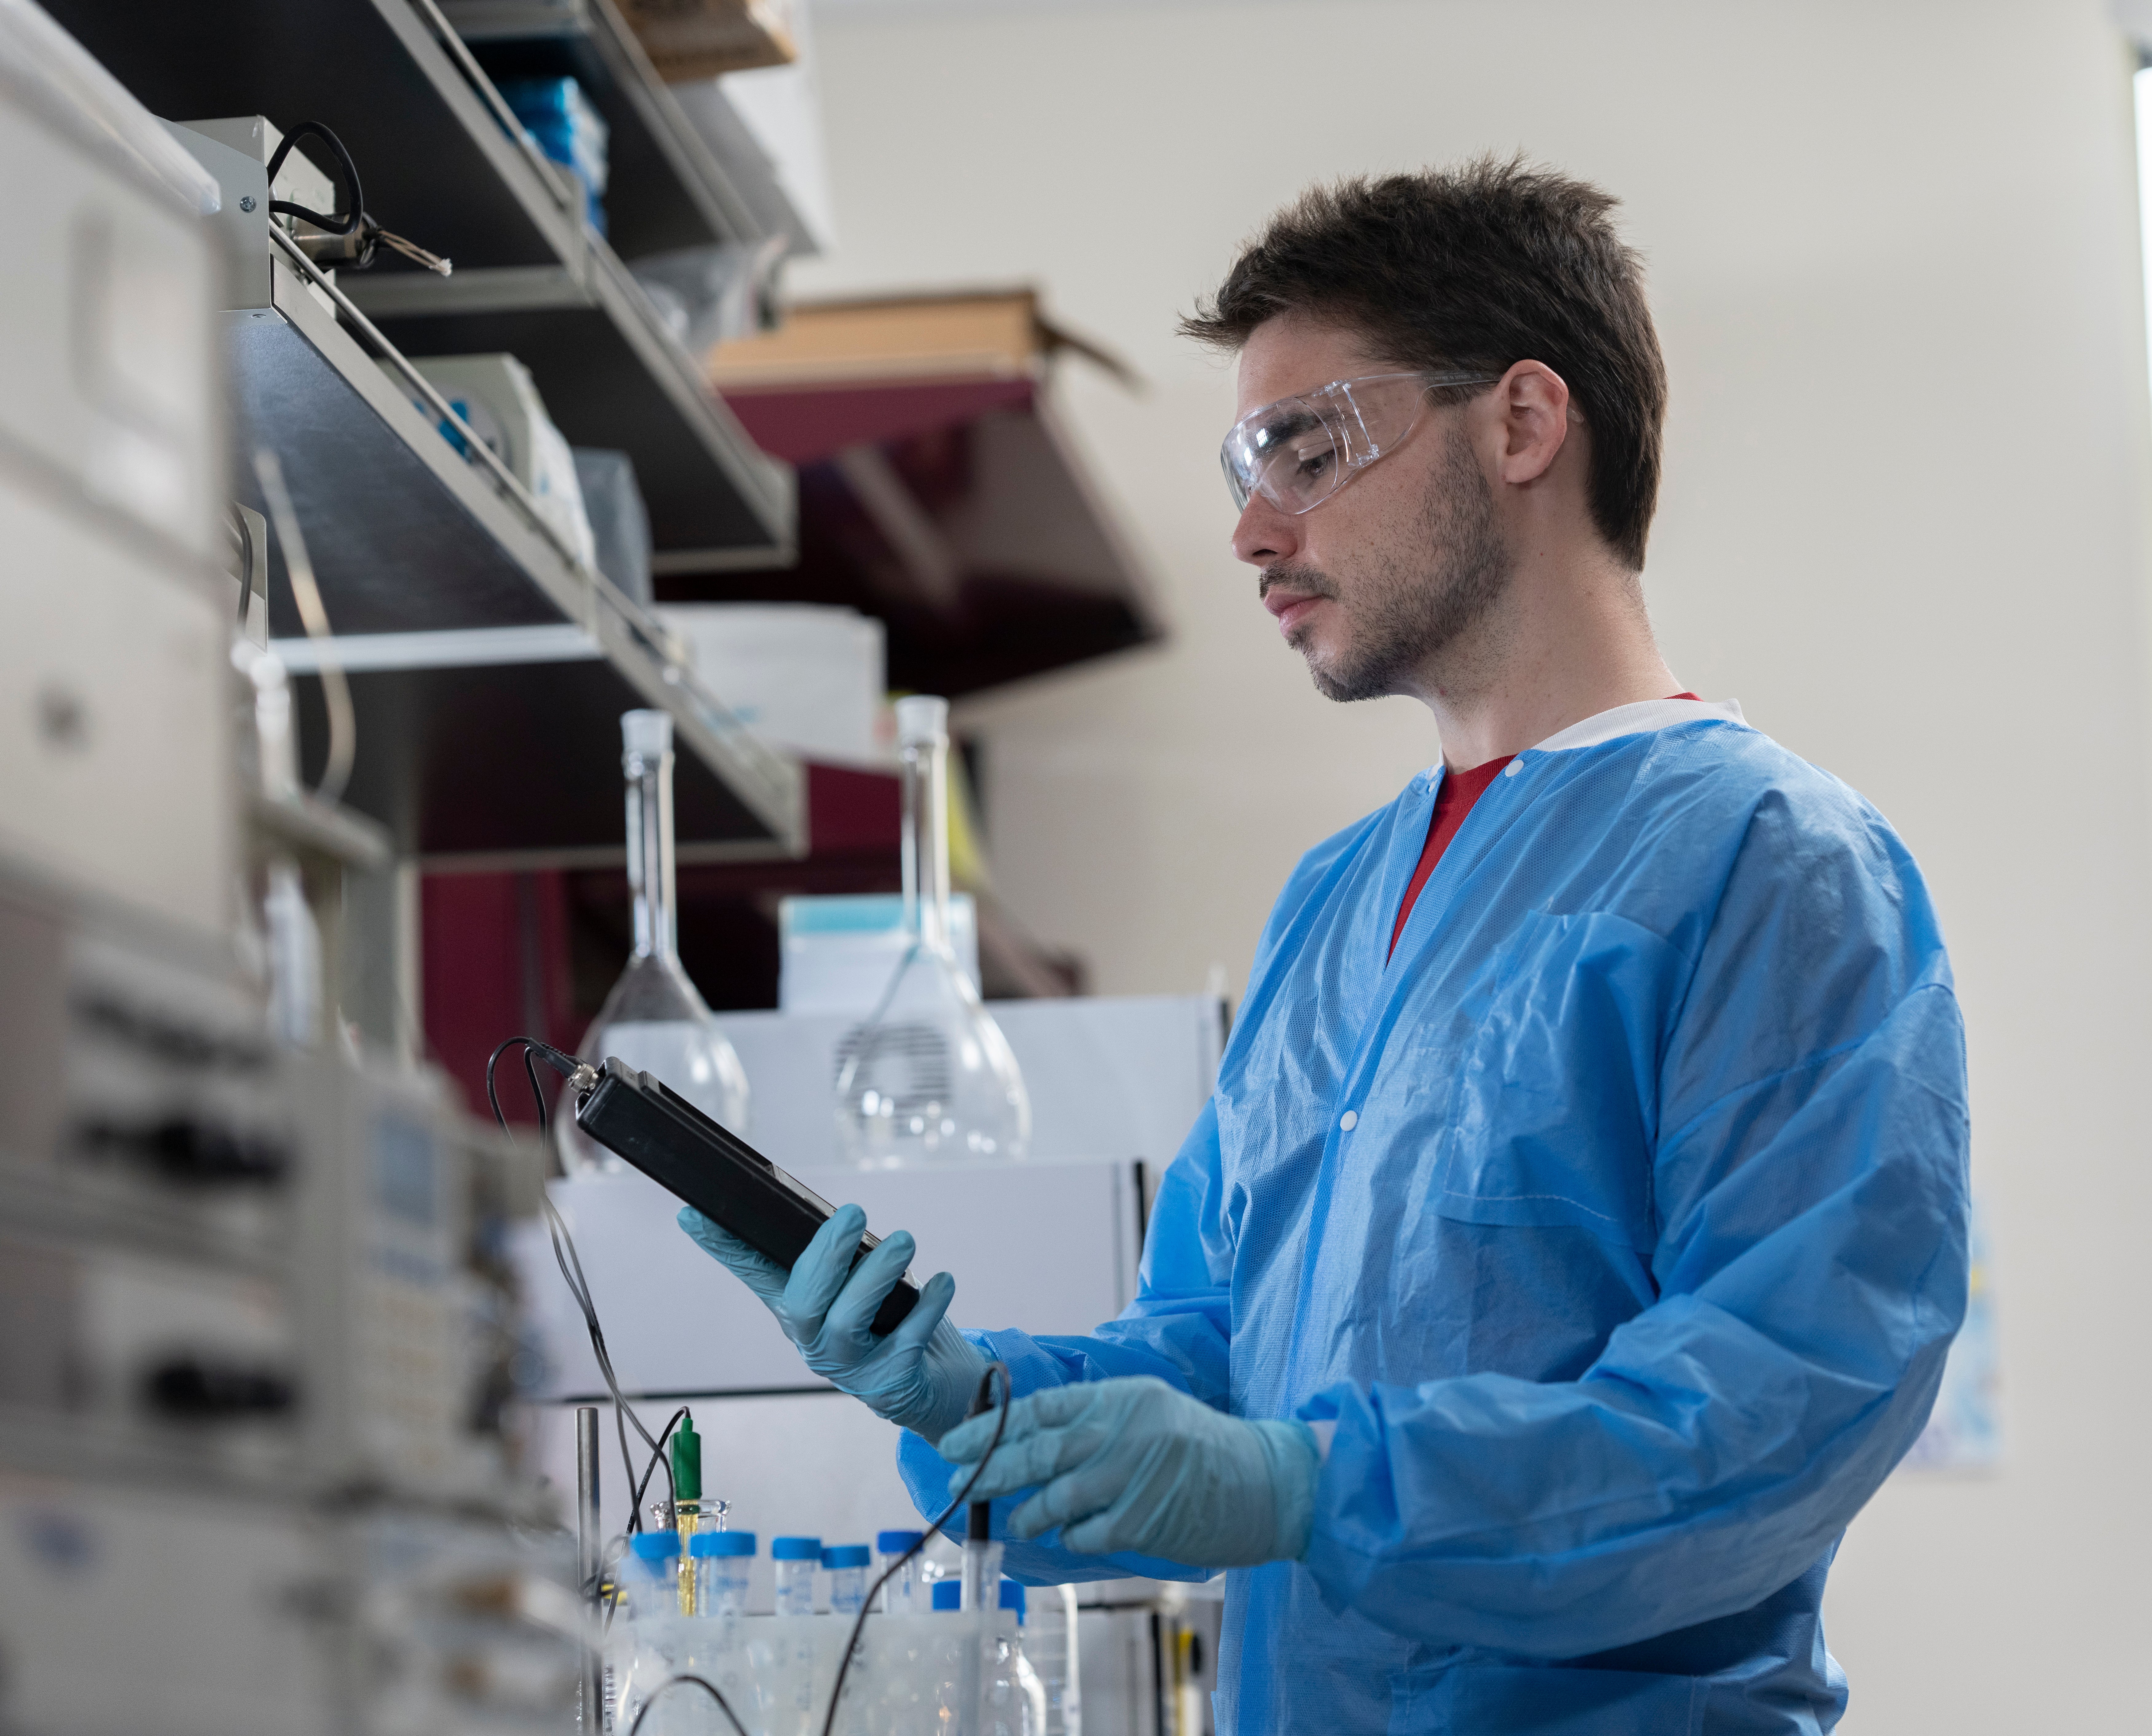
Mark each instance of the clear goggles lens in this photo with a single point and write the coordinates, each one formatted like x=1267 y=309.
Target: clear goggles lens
x=1297 y=453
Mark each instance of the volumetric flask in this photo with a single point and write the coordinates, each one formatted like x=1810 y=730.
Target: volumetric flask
x=654 y=1020
x=929 y=1077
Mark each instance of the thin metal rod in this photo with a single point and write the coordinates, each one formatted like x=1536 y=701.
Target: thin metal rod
x=589 y=1551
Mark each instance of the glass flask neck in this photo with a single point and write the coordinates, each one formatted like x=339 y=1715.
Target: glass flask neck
x=650 y=871
x=927 y=842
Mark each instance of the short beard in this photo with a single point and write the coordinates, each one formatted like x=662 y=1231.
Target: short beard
x=1408 y=607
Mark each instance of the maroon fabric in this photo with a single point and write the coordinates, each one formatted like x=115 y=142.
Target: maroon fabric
x=1452 y=803
x=851 y=811
x=495 y=963
x=802 y=424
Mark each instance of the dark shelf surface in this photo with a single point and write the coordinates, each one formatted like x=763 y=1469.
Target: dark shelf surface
x=666 y=190
x=405 y=534
x=959 y=513
x=435 y=163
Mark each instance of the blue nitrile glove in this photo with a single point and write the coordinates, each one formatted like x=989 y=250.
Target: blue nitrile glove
x=1138 y=1465
x=921 y=1377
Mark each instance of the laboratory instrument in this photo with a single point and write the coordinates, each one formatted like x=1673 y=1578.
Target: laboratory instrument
x=694 y=1513
x=723 y=1562
x=928 y=1078
x=654 y=1018
x=982 y=1556
x=796 y=1559
x=846 y=1564
x=639 y=1117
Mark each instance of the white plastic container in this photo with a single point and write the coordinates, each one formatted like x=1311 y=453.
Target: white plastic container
x=796 y=1559
x=723 y=1561
x=803 y=677
x=496 y=396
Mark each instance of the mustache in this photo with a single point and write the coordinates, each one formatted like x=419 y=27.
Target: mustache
x=1308 y=579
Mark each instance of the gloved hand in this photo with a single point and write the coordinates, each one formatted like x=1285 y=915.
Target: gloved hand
x=1136 y=1464
x=921 y=1377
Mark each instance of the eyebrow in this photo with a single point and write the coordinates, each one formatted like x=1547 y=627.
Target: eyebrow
x=1296 y=420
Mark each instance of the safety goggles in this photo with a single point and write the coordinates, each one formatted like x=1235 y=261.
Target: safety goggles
x=1298 y=452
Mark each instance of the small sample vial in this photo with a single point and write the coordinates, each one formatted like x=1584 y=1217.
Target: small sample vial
x=723 y=1560
x=900 y=1595
x=650 y=1575
x=948 y=1594
x=847 y=1565
x=796 y=1558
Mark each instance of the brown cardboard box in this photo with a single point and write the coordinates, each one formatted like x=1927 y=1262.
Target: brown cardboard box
x=689 y=39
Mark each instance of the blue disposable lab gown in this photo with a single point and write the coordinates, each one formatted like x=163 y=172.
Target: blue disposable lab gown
x=1632 y=1278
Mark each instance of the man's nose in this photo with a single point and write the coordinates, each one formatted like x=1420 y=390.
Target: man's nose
x=1265 y=536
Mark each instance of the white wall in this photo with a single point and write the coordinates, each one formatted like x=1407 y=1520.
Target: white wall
x=1893 y=252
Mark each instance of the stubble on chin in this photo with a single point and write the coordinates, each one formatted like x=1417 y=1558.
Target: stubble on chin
x=1419 y=597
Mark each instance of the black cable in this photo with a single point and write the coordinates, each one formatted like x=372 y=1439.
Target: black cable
x=948 y=1513
x=661 y=1456
x=355 y=204
x=571 y=1265
x=565 y=1257
x=731 y=1718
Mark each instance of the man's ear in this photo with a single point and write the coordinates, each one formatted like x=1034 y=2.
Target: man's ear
x=1533 y=401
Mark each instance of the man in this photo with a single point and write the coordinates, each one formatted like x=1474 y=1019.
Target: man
x=1573 y=1242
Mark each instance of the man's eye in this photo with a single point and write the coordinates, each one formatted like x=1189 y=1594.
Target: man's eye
x=1310 y=464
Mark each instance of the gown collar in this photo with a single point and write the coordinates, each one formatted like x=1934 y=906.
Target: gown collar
x=1641 y=718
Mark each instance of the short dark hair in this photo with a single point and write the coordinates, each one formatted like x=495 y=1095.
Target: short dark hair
x=1477 y=267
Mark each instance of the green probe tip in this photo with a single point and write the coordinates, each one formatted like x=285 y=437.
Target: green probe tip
x=687 y=1461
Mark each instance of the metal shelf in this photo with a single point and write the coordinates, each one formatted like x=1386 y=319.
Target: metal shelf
x=668 y=188
x=511 y=755
x=489 y=690
x=440 y=167
x=500 y=748
x=437 y=164
x=612 y=375
x=404 y=533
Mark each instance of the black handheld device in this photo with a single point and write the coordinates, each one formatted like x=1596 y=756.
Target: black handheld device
x=716 y=1171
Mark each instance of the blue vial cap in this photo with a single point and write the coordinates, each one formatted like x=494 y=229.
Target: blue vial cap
x=1013 y=1598
x=895 y=1543
x=846 y=1555
x=795 y=1549
x=721 y=1543
x=948 y=1594
x=655 y=1546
